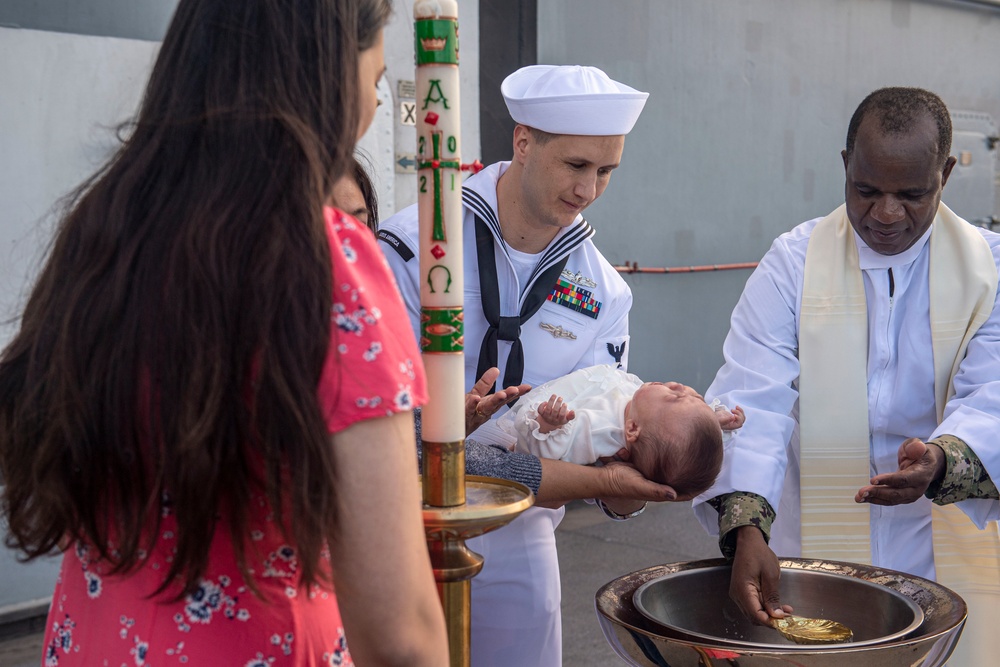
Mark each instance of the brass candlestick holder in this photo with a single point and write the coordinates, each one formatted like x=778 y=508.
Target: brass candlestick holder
x=457 y=508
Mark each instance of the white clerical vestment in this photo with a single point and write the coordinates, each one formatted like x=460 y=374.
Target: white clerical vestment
x=900 y=394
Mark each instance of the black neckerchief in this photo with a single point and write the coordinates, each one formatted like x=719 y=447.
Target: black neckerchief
x=506 y=328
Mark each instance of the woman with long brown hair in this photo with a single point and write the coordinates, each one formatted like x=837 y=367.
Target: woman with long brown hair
x=217 y=434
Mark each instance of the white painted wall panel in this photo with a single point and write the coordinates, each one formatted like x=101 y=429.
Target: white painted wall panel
x=61 y=97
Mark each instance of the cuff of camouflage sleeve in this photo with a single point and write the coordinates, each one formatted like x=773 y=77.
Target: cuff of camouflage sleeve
x=741 y=509
x=965 y=476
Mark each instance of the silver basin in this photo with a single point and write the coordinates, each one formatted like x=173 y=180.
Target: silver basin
x=695 y=603
x=643 y=642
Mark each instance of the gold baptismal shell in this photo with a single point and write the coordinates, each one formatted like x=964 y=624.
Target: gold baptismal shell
x=812 y=630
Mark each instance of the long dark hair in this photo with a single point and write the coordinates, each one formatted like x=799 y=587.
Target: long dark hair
x=173 y=342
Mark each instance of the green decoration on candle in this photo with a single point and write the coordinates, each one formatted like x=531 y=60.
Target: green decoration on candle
x=436 y=41
x=436 y=164
x=435 y=84
x=442 y=329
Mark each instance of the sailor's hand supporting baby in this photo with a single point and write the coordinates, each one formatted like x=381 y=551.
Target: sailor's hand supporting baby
x=753 y=584
x=920 y=465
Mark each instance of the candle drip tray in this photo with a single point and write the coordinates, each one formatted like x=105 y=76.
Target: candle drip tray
x=490 y=503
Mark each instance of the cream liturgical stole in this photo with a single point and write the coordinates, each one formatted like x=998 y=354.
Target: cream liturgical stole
x=833 y=408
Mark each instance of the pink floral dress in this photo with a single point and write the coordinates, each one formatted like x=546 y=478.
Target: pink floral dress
x=373 y=369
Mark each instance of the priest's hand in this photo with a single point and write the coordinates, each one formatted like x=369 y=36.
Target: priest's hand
x=920 y=465
x=753 y=583
x=479 y=406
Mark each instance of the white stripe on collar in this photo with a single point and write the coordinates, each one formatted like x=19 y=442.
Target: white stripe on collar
x=479 y=195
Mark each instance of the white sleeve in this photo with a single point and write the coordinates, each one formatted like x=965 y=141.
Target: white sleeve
x=401 y=253
x=760 y=370
x=571 y=442
x=973 y=412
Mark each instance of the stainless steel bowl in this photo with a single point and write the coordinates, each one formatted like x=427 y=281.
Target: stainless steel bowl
x=696 y=603
x=642 y=642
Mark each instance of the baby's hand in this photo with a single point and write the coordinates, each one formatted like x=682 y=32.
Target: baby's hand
x=730 y=421
x=553 y=414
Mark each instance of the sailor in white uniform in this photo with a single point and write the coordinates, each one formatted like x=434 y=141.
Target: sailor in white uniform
x=540 y=302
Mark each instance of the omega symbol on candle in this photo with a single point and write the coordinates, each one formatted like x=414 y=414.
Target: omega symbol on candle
x=430 y=278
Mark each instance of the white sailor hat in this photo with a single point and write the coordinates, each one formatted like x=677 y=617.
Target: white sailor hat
x=571 y=99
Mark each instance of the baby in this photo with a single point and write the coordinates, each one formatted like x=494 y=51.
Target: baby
x=671 y=434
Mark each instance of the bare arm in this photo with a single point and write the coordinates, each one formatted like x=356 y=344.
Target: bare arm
x=393 y=595
x=621 y=486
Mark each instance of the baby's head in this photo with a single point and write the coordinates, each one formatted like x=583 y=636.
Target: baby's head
x=674 y=437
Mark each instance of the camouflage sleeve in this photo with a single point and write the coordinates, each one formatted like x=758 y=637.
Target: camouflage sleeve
x=741 y=509
x=965 y=475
